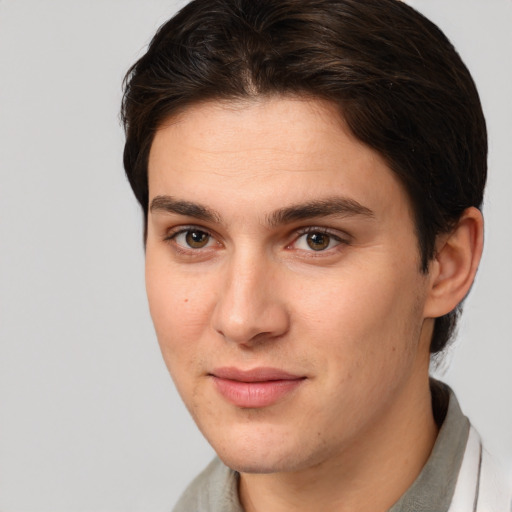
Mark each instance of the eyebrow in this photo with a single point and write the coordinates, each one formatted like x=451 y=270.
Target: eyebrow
x=333 y=206
x=168 y=204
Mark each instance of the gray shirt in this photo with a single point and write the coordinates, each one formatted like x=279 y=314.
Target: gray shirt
x=216 y=488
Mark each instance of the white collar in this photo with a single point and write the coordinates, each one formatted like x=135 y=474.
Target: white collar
x=478 y=487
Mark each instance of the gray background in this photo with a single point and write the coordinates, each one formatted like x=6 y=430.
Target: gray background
x=89 y=419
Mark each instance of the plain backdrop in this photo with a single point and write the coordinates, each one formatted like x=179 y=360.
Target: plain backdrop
x=89 y=419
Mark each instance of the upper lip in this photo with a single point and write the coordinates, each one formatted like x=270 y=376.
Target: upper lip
x=260 y=374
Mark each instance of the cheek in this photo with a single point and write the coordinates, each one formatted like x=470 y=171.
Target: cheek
x=180 y=310
x=364 y=337
x=369 y=318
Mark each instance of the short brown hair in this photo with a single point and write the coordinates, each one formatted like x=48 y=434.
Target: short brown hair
x=399 y=83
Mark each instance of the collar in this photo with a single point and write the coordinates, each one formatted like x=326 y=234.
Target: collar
x=434 y=487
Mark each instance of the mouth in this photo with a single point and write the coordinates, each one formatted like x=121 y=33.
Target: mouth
x=255 y=388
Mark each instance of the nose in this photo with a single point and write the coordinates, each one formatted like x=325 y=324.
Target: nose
x=250 y=308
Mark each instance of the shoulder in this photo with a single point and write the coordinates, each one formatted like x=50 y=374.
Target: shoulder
x=215 y=489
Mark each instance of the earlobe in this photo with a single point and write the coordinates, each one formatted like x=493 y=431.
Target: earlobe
x=455 y=263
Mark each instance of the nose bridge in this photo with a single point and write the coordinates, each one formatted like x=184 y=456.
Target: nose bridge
x=249 y=305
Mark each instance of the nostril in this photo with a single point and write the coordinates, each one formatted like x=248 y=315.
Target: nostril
x=269 y=324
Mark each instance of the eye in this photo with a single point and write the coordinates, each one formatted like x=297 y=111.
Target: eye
x=316 y=241
x=193 y=239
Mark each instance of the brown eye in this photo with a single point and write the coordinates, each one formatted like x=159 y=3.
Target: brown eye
x=197 y=239
x=318 y=241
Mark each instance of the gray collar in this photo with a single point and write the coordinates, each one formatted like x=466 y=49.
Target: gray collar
x=435 y=485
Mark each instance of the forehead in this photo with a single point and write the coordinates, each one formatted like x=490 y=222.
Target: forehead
x=266 y=151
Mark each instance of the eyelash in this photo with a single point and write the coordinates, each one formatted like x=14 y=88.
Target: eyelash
x=298 y=234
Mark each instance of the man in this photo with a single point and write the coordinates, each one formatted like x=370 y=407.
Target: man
x=311 y=175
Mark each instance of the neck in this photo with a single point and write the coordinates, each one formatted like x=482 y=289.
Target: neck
x=368 y=476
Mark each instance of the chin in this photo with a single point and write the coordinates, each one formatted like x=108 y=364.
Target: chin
x=262 y=454
x=256 y=464
x=251 y=467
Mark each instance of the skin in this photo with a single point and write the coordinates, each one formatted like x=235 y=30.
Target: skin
x=353 y=319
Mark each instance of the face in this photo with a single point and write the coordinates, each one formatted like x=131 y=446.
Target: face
x=283 y=277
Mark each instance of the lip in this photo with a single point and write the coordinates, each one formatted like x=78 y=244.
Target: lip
x=255 y=388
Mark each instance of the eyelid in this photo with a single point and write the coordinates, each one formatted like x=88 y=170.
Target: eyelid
x=342 y=236
x=176 y=230
x=183 y=228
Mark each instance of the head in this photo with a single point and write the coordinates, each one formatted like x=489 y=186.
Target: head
x=310 y=175
x=395 y=80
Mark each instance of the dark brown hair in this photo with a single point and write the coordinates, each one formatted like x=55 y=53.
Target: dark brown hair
x=400 y=86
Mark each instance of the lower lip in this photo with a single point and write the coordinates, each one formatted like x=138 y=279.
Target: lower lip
x=255 y=394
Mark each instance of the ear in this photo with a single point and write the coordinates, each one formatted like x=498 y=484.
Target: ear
x=453 y=268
